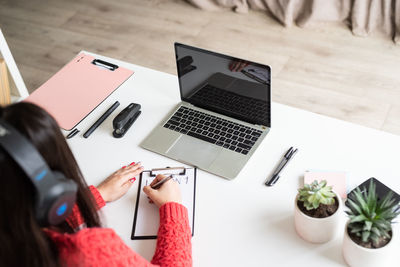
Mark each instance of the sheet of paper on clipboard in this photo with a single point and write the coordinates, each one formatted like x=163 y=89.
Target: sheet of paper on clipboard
x=146 y=219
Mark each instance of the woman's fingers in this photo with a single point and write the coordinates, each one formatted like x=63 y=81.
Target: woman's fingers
x=242 y=65
x=132 y=169
x=134 y=172
x=157 y=179
x=133 y=166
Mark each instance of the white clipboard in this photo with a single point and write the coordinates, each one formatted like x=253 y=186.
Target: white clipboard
x=146 y=219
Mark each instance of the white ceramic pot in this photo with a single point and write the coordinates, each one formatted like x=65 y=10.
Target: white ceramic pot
x=358 y=256
x=317 y=230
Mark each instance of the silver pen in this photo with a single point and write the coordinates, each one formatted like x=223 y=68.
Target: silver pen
x=161 y=182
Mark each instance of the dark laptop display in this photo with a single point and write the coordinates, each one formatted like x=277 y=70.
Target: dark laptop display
x=224 y=115
x=224 y=84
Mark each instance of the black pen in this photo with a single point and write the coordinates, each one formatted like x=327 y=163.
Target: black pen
x=286 y=158
x=72 y=133
x=101 y=119
x=161 y=182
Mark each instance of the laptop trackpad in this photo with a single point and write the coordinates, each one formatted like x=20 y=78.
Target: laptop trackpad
x=194 y=151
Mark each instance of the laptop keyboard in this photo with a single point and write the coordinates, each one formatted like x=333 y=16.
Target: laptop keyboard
x=251 y=108
x=224 y=133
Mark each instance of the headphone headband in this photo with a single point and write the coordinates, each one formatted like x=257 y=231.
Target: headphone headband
x=24 y=153
x=55 y=195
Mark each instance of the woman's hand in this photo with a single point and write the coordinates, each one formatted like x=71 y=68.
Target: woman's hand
x=238 y=65
x=168 y=192
x=118 y=183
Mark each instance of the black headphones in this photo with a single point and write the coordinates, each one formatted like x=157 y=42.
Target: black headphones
x=55 y=195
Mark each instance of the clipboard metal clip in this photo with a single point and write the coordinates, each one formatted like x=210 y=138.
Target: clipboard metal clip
x=104 y=64
x=168 y=171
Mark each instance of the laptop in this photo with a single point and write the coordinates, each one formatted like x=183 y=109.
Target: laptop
x=224 y=115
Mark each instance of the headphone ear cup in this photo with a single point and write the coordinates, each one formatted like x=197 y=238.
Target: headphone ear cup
x=59 y=200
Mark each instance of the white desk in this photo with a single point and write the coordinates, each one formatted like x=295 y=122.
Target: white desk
x=239 y=222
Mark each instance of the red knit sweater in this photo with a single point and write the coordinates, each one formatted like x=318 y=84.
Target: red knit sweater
x=103 y=247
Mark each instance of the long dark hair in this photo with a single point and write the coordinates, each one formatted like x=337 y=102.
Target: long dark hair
x=22 y=241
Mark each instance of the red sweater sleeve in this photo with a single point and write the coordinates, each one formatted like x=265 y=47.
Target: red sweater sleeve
x=75 y=219
x=92 y=247
x=174 y=247
x=103 y=247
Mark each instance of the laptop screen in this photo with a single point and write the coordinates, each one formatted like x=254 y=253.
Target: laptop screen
x=230 y=86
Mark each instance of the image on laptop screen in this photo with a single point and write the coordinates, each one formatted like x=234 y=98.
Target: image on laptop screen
x=230 y=86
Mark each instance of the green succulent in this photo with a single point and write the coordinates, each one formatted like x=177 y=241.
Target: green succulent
x=314 y=194
x=371 y=217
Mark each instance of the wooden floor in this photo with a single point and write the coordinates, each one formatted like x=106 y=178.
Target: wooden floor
x=322 y=68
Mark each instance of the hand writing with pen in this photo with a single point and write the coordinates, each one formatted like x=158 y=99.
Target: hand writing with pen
x=169 y=191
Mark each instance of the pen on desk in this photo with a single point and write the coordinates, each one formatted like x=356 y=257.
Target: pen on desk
x=161 y=182
x=286 y=158
x=72 y=133
x=101 y=119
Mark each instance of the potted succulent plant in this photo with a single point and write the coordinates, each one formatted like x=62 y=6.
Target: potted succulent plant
x=317 y=212
x=368 y=233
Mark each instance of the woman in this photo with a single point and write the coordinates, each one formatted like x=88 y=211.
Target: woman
x=80 y=240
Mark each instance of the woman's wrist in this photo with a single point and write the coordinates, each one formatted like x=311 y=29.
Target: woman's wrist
x=173 y=210
x=102 y=193
x=98 y=198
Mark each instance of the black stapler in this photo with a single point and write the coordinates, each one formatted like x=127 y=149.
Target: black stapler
x=124 y=120
x=185 y=65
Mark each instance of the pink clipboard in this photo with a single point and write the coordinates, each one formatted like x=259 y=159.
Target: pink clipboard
x=78 y=88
